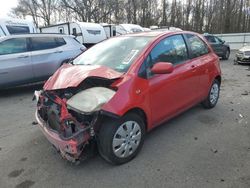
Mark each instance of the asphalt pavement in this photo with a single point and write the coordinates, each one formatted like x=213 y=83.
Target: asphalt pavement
x=199 y=148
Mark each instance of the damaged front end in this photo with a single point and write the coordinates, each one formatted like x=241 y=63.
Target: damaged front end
x=70 y=117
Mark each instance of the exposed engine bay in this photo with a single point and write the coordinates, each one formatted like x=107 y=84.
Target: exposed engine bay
x=75 y=113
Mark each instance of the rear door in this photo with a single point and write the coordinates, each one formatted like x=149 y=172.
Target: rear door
x=15 y=62
x=46 y=55
x=174 y=92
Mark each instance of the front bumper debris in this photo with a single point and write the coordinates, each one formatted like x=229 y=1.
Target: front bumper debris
x=69 y=149
x=65 y=133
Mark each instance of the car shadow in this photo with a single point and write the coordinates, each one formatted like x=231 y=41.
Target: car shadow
x=173 y=122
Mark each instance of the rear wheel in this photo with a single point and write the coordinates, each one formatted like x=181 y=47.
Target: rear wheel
x=120 y=140
x=226 y=55
x=213 y=95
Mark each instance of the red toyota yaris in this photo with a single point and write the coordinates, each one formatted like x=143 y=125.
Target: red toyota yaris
x=123 y=87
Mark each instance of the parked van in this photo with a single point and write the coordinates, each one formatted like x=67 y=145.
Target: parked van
x=86 y=33
x=10 y=26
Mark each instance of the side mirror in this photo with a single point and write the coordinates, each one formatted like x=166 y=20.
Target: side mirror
x=222 y=42
x=162 y=68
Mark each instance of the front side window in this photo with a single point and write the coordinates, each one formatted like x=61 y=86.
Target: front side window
x=17 y=29
x=44 y=43
x=198 y=47
x=12 y=46
x=172 y=50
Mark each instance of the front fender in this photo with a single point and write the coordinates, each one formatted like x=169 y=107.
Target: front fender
x=131 y=94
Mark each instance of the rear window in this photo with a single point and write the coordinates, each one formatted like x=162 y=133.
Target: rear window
x=43 y=43
x=18 y=29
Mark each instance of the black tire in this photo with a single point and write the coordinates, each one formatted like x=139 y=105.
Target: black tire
x=226 y=55
x=109 y=130
x=208 y=102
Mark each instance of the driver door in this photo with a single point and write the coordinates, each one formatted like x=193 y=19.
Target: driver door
x=171 y=93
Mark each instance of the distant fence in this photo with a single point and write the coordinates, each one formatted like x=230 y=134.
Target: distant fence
x=235 y=40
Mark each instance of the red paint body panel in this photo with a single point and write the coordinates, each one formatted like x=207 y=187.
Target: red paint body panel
x=165 y=95
x=53 y=137
x=162 y=68
x=70 y=75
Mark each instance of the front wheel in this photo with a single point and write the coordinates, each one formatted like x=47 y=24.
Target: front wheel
x=120 y=140
x=213 y=95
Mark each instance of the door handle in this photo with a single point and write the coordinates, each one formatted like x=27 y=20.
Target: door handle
x=58 y=52
x=23 y=56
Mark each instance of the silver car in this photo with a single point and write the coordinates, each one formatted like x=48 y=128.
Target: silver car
x=34 y=57
x=243 y=55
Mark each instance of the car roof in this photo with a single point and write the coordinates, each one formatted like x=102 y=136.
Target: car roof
x=207 y=34
x=34 y=35
x=155 y=33
x=159 y=33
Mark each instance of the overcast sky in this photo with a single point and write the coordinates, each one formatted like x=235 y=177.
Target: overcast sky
x=6 y=6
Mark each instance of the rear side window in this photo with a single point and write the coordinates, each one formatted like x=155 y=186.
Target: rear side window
x=18 y=29
x=12 y=46
x=171 y=49
x=44 y=43
x=197 y=46
x=60 y=41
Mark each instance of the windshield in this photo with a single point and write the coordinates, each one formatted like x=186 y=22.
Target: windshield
x=116 y=53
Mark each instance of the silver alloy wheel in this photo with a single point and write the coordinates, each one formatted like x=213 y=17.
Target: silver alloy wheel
x=126 y=139
x=214 y=93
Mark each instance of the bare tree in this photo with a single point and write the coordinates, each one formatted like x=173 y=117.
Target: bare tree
x=215 y=16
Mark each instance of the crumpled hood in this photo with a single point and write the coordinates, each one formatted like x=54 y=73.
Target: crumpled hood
x=70 y=75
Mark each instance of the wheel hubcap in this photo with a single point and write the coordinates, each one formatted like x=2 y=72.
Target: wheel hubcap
x=126 y=139
x=214 y=93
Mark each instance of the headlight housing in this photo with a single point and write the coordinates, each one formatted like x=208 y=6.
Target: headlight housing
x=90 y=100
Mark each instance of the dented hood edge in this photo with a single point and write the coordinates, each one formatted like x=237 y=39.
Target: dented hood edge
x=69 y=75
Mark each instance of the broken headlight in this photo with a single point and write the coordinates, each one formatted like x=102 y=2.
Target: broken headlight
x=90 y=100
